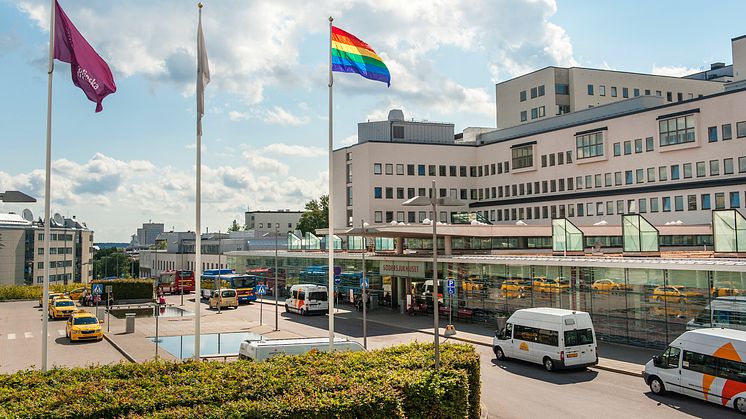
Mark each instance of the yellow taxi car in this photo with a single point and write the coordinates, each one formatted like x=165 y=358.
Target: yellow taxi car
x=52 y=296
x=676 y=294
x=607 y=285
x=515 y=288
x=83 y=325
x=77 y=293
x=226 y=297
x=61 y=308
x=554 y=285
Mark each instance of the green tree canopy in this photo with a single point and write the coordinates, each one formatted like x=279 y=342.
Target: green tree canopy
x=316 y=215
x=234 y=226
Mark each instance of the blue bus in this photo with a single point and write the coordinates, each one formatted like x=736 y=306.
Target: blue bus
x=245 y=285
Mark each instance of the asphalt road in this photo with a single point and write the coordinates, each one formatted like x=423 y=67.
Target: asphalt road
x=20 y=341
x=516 y=389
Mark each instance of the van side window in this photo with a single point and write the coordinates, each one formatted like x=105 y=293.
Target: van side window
x=699 y=362
x=732 y=370
x=302 y=295
x=670 y=358
x=295 y=294
x=534 y=334
x=508 y=331
x=578 y=337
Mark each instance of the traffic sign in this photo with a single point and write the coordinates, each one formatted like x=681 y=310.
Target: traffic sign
x=261 y=290
x=337 y=272
x=97 y=289
x=363 y=282
x=109 y=289
x=337 y=279
x=451 y=286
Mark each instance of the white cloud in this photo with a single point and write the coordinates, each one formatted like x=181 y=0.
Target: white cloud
x=280 y=116
x=673 y=71
x=350 y=140
x=238 y=116
x=295 y=150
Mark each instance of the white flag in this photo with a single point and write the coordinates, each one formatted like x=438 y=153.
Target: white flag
x=203 y=74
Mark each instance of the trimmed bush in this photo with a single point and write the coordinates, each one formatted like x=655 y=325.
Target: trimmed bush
x=128 y=289
x=396 y=382
x=30 y=292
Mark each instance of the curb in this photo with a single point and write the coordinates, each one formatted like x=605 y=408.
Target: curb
x=119 y=349
x=617 y=370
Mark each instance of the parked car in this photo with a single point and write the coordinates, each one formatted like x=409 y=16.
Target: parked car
x=52 y=295
x=225 y=297
x=61 y=308
x=515 y=288
x=676 y=294
x=554 y=285
x=83 y=325
x=607 y=285
x=77 y=293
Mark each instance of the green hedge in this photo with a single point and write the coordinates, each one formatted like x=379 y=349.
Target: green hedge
x=29 y=292
x=128 y=289
x=396 y=382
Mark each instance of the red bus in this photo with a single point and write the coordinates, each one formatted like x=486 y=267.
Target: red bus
x=171 y=282
x=267 y=276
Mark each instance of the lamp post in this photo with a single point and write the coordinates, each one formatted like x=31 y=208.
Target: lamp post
x=277 y=309
x=364 y=285
x=432 y=200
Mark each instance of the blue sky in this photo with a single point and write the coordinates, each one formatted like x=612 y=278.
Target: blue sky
x=265 y=129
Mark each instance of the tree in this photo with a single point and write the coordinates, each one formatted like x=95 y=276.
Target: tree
x=234 y=226
x=114 y=263
x=316 y=215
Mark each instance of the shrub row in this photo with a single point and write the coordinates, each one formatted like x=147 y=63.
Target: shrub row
x=129 y=289
x=396 y=382
x=29 y=292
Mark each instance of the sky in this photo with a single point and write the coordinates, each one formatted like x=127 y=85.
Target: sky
x=265 y=128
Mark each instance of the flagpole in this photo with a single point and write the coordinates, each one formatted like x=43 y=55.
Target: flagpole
x=198 y=227
x=330 y=239
x=47 y=193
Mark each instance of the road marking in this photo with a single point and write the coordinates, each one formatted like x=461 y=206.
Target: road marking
x=28 y=335
x=11 y=336
x=60 y=332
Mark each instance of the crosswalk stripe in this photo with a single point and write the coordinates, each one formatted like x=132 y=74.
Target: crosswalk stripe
x=11 y=336
x=28 y=335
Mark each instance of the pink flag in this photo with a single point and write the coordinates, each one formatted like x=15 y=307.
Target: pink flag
x=89 y=71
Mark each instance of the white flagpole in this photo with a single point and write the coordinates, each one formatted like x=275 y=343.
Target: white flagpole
x=330 y=239
x=198 y=206
x=47 y=193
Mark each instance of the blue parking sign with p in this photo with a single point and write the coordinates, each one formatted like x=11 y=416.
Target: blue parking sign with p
x=451 y=286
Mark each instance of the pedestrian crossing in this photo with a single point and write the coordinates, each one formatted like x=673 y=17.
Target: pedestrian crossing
x=30 y=335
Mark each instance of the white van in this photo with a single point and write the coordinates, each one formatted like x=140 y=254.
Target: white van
x=704 y=363
x=727 y=312
x=553 y=337
x=307 y=299
x=259 y=350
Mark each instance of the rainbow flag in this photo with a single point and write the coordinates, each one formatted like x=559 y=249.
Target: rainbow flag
x=351 y=55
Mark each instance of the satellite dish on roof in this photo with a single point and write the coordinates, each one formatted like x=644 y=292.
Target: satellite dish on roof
x=57 y=218
x=28 y=215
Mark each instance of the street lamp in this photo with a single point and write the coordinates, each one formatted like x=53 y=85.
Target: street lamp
x=277 y=308
x=422 y=201
x=15 y=196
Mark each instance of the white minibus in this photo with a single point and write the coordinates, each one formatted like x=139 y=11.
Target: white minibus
x=307 y=299
x=553 y=337
x=704 y=363
x=727 y=312
x=259 y=350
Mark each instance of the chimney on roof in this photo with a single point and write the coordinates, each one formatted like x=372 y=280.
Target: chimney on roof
x=396 y=115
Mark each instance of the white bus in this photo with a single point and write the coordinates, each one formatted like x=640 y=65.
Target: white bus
x=706 y=364
x=553 y=337
x=307 y=298
x=727 y=312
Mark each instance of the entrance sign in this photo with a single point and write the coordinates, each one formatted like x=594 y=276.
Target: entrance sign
x=406 y=269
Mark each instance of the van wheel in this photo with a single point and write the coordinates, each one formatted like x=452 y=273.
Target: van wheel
x=499 y=354
x=740 y=405
x=548 y=364
x=656 y=386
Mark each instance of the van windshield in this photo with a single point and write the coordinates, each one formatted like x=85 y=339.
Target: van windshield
x=317 y=295
x=578 y=337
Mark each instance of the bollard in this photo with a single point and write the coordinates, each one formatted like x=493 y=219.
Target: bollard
x=130 y=323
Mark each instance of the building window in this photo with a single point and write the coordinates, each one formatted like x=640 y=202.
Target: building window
x=720 y=200
x=701 y=170
x=727 y=166
x=617 y=178
x=649 y=144
x=638 y=145
x=669 y=96
x=590 y=90
x=410 y=169
x=735 y=200
x=534 y=113
x=613 y=91
x=349 y=196
x=617 y=149
x=377 y=168
x=742 y=164
x=589 y=145
x=598 y=180
x=453 y=170
x=377 y=193
x=542 y=111
x=378 y=216
x=568 y=156
x=662 y=173
x=727 y=134
x=651 y=174
x=678 y=202
x=714 y=167
x=666 y=204
x=677 y=130
x=602 y=90
x=541 y=90
x=640 y=175
x=522 y=95
x=400 y=169
x=625 y=92
x=389 y=193
x=399 y=193
x=642 y=203
x=741 y=129
x=560 y=158
x=628 y=179
x=627 y=147
x=691 y=202
x=687 y=170
x=397 y=132
x=543 y=160
x=607 y=179
x=675 y=172
x=389 y=169
x=524 y=116
x=523 y=156
x=551 y=160
x=712 y=134
x=635 y=93
x=562 y=89
x=462 y=171
x=705 y=201
x=431 y=171
x=421 y=169
x=389 y=216
x=653 y=204
x=533 y=92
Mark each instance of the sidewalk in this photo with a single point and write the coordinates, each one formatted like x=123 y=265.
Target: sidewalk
x=622 y=359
